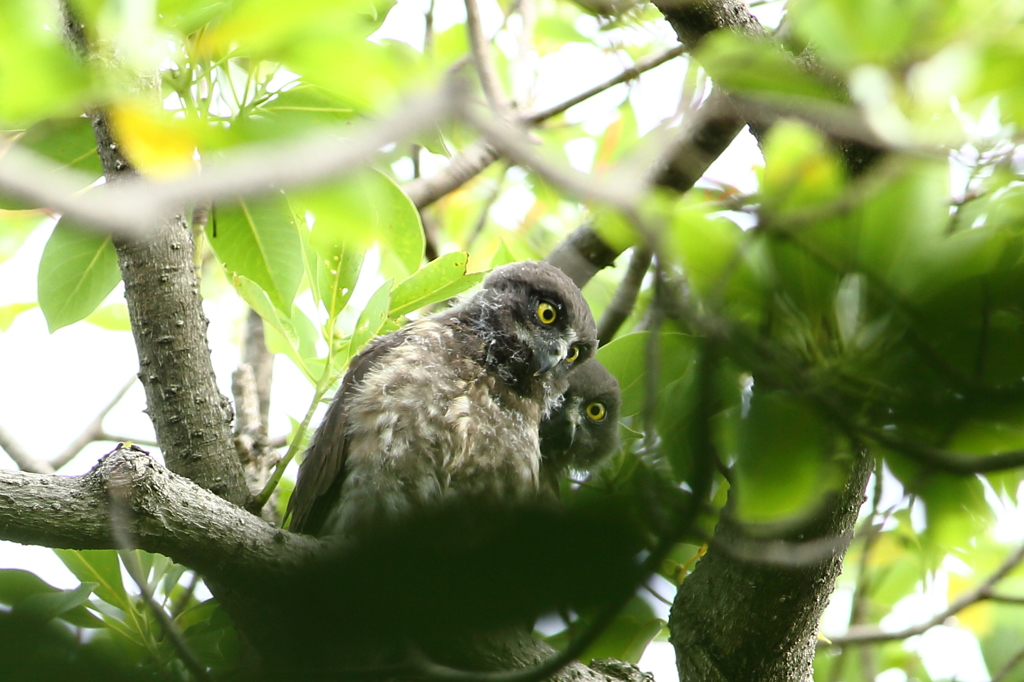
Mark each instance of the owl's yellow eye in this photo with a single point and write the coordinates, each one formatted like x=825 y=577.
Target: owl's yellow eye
x=546 y=312
x=574 y=352
x=596 y=411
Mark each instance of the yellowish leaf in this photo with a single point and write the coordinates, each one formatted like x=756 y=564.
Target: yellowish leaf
x=157 y=144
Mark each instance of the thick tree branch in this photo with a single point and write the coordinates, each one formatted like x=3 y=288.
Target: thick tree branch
x=158 y=511
x=168 y=514
x=190 y=416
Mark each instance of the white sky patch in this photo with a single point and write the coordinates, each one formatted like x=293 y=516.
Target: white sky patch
x=512 y=206
x=581 y=152
x=659 y=659
x=950 y=653
x=837 y=615
x=737 y=165
x=891 y=675
x=573 y=69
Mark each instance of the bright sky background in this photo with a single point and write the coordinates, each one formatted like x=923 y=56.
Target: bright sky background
x=53 y=385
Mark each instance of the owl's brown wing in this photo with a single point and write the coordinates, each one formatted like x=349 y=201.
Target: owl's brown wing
x=321 y=473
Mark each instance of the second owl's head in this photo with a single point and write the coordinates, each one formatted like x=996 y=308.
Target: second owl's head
x=535 y=323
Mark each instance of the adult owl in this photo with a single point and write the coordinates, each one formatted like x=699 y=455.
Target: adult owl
x=447 y=405
x=584 y=428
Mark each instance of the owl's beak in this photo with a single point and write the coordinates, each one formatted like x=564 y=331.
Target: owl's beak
x=572 y=432
x=548 y=357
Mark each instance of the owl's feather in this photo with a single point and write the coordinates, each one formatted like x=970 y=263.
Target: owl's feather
x=584 y=429
x=449 y=404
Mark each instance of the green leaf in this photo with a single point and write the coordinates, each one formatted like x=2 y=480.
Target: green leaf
x=800 y=170
x=956 y=511
x=848 y=32
x=314 y=104
x=288 y=113
x=9 y=312
x=47 y=606
x=783 y=459
x=362 y=210
x=626 y=358
x=371 y=319
x=76 y=272
x=293 y=335
x=188 y=16
x=628 y=635
x=20 y=588
x=15 y=227
x=259 y=240
x=723 y=267
x=113 y=317
x=41 y=78
x=437 y=281
x=70 y=142
x=100 y=566
x=334 y=270
x=758 y=67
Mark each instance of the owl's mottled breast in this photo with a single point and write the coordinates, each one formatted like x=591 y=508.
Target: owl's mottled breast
x=428 y=420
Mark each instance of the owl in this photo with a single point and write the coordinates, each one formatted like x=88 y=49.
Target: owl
x=448 y=405
x=584 y=428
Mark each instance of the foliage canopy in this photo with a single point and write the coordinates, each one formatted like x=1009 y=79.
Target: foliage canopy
x=849 y=314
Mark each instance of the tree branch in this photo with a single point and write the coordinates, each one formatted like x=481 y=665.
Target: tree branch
x=92 y=432
x=485 y=69
x=169 y=514
x=624 y=300
x=479 y=155
x=22 y=458
x=132 y=208
x=872 y=634
x=190 y=416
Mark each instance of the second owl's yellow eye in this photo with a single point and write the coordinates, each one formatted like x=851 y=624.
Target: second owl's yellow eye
x=574 y=352
x=596 y=411
x=546 y=312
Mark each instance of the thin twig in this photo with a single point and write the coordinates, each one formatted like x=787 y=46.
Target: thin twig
x=613 y=189
x=1008 y=667
x=94 y=431
x=621 y=305
x=119 y=523
x=17 y=452
x=520 y=65
x=485 y=69
x=479 y=155
x=631 y=73
x=871 y=635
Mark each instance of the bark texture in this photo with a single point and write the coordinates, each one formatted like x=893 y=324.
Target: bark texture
x=742 y=617
x=163 y=513
x=190 y=416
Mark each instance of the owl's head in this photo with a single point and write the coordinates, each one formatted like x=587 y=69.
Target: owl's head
x=535 y=325
x=584 y=429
